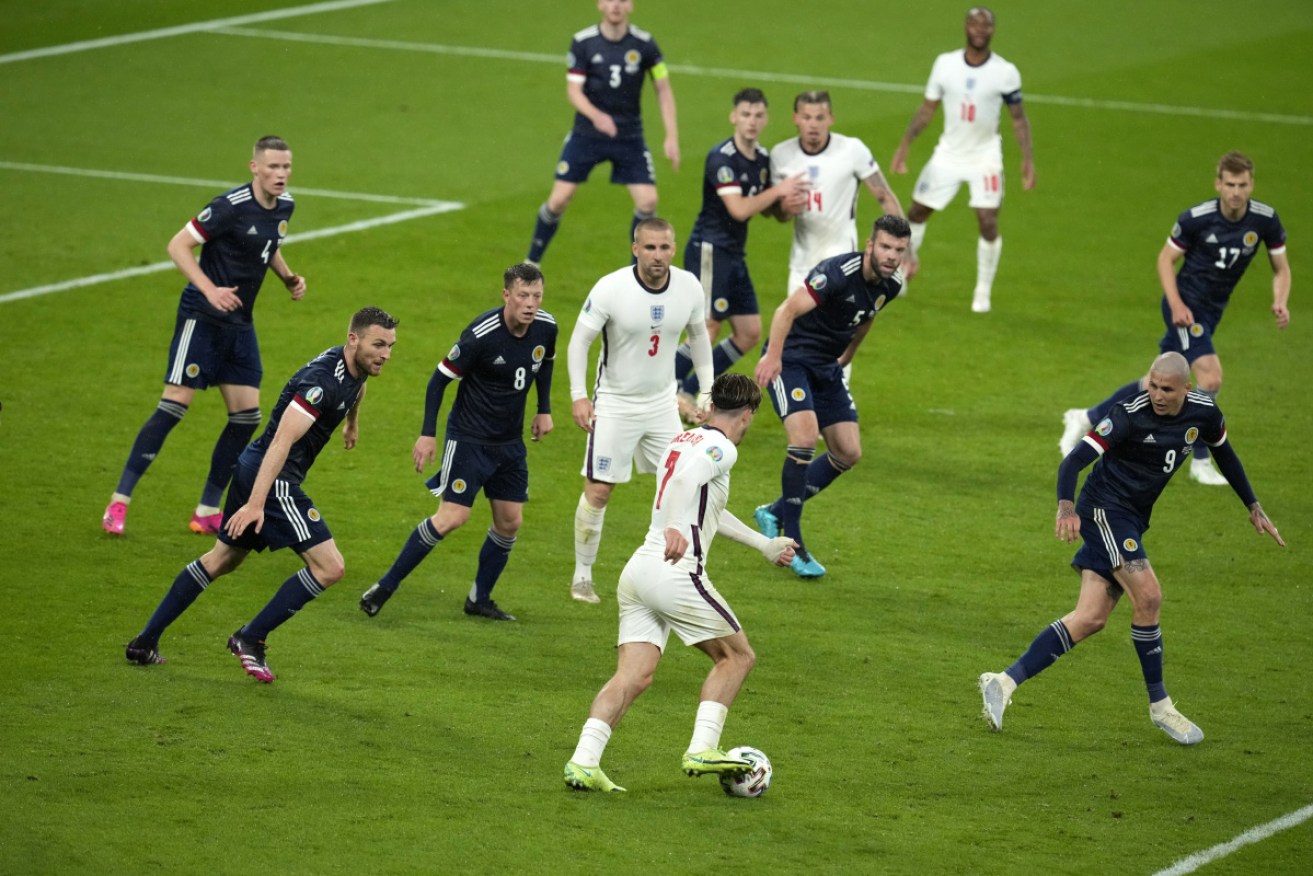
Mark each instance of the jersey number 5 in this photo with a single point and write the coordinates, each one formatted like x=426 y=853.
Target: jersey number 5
x=670 y=470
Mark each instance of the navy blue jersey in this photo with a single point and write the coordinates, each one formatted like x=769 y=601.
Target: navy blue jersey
x=495 y=370
x=729 y=170
x=323 y=390
x=844 y=301
x=1140 y=451
x=612 y=75
x=1217 y=250
x=239 y=239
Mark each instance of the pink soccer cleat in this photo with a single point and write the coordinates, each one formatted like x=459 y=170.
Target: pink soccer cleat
x=115 y=519
x=207 y=525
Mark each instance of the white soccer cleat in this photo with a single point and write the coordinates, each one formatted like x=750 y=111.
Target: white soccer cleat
x=1165 y=717
x=582 y=590
x=980 y=301
x=1075 y=423
x=1202 y=470
x=996 y=690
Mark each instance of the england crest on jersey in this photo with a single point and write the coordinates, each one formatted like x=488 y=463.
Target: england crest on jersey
x=658 y=312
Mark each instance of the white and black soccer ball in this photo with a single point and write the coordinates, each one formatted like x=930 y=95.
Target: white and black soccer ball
x=753 y=783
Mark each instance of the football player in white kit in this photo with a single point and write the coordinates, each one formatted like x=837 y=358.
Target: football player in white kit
x=833 y=165
x=640 y=311
x=664 y=587
x=972 y=85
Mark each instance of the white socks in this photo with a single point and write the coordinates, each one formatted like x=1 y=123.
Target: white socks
x=592 y=742
x=708 y=726
x=918 y=236
x=587 y=537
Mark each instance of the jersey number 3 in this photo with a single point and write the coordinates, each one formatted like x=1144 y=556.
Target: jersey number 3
x=656 y=344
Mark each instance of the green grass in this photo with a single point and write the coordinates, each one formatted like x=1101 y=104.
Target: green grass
x=423 y=741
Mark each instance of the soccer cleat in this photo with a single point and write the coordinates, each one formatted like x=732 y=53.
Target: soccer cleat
x=115 y=518
x=980 y=301
x=581 y=778
x=487 y=608
x=143 y=655
x=372 y=600
x=767 y=522
x=713 y=761
x=205 y=525
x=1075 y=423
x=1202 y=470
x=251 y=653
x=582 y=590
x=996 y=690
x=804 y=565
x=1165 y=717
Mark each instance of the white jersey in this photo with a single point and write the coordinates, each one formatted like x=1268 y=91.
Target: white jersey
x=972 y=99
x=640 y=332
x=828 y=227
x=692 y=491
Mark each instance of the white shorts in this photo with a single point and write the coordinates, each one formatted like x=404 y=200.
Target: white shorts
x=656 y=597
x=620 y=442
x=942 y=177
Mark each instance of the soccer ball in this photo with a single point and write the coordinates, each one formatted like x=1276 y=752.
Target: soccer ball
x=749 y=784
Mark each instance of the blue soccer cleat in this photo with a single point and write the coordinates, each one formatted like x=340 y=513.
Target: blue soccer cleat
x=767 y=522
x=804 y=565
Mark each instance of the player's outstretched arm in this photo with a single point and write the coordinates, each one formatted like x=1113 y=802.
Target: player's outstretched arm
x=666 y=100
x=1262 y=524
x=924 y=113
x=1280 y=288
x=778 y=551
x=1021 y=127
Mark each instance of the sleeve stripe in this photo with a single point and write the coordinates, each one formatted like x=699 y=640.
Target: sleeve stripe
x=1177 y=245
x=1096 y=442
x=301 y=405
x=735 y=189
x=199 y=233
x=1220 y=441
x=450 y=370
x=1276 y=250
x=576 y=76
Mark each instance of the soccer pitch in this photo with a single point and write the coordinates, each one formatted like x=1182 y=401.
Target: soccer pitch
x=424 y=136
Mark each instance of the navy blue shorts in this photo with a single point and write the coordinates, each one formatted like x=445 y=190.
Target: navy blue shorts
x=818 y=388
x=1193 y=341
x=1109 y=538
x=725 y=280
x=500 y=470
x=203 y=354
x=631 y=163
x=290 y=517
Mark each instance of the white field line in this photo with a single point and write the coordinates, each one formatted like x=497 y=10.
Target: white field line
x=762 y=76
x=1253 y=835
x=222 y=185
x=362 y=225
x=178 y=30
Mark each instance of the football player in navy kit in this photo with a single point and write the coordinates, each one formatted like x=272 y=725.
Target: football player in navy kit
x=241 y=233
x=607 y=65
x=498 y=357
x=266 y=505
x=736 y=186
x=813 y=335
x=1138 y=446
x=1217 y=240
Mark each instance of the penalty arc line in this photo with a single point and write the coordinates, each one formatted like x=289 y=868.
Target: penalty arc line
x=350 y=227
x=1263 y=831
x=766 y=76
x=178 y=30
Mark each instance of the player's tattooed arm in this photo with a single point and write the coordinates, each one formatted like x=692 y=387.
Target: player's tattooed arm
x=1262 y=524
x=1067 y=526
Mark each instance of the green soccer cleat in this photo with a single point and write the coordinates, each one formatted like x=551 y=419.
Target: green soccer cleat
x=713 y=761
x=588 y=779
